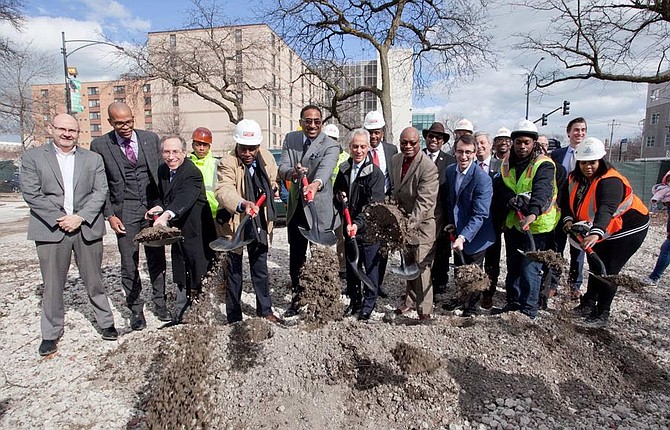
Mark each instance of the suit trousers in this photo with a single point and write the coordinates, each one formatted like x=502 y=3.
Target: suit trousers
x=133 y=221
x=55 y=260
x=258 y=265
x=440 y=276
x=369 y=256
x=297 y=247
x=420 y=290
x=492 y=264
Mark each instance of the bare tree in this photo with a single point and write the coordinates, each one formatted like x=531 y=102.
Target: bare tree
x=17 y=106
x=624 y=40
x=445 y=39
x=12 y=12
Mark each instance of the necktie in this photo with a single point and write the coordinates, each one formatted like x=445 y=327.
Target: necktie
x=130 y=154
x=375 y=158
x=305 y=146
x=481 y=164
x=172 y=173
x=432 y=157
x=573 y=160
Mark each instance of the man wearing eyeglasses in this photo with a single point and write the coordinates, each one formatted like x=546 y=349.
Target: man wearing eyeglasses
x=312 y=154
x=415 y=185
x=65 y=188
x=131 y=158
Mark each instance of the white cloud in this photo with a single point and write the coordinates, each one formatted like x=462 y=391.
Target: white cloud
x=115 y=14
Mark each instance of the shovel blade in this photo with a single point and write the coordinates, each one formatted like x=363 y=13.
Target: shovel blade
x=222 y=244
x=601 y=277
x=409 y=272
x=325 y=238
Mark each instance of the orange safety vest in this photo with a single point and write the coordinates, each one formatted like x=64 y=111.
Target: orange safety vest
x=588 y=207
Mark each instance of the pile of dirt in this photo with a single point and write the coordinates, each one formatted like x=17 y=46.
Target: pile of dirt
x=551 y=258
x=320 y=280
x=470 y=278
x=626 y=281
x=155 y=233
x=414 y=360
x=385 y=223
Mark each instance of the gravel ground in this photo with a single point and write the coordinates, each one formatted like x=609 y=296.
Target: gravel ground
x=502 y=372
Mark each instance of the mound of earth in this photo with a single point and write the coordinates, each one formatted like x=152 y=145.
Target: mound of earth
x=156 y=233
x=320 y=280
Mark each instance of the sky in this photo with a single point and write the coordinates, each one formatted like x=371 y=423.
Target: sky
x=492 y=99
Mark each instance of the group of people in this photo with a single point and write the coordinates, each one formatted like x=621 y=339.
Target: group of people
x=464 y=201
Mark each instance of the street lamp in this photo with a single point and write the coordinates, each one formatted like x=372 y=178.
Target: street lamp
x=68 y=99
x=532 y=72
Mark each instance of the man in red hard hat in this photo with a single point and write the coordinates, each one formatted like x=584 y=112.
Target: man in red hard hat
x=202 y=157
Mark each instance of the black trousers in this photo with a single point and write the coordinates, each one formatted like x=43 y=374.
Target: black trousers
x=258 y=265
x=369 y=258
x=438 y=274
x=297 y=247
x=492 y=264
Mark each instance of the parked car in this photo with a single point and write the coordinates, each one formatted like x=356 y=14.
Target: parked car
x=281 y=199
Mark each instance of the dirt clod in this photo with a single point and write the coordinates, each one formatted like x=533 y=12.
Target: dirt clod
x=159 y=232
x=387 y=224
x=413 y=360
x=470 y=278
x=627 y=281
x=320 y=280
x=551 y=258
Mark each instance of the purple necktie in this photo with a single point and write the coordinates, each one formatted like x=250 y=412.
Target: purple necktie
x=128 y=149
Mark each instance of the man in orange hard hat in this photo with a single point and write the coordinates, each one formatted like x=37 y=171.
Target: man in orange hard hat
x=202 y=157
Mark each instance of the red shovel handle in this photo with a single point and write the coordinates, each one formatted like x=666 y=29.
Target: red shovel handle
x=580 y=239
x=310 y=196
x=347 y=217
x=520 y=216
x=259 y=203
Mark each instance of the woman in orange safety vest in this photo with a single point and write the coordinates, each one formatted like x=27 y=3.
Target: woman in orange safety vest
x=614 y=224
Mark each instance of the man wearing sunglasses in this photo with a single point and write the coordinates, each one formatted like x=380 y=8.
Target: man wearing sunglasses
x=309 y=153
x=131 y=158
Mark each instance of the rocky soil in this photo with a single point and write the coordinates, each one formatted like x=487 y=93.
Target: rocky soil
x=501 y=372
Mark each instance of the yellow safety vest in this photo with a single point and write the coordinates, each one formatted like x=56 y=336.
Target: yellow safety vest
x=208 y=166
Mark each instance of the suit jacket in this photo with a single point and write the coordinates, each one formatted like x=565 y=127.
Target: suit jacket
x=42 y=188
x=443 y=160
x=416 y=194
x=473 y=200
x=230 y=187
x=389 y=151
x=320 y=160
x=559 y=154
x=111 y=153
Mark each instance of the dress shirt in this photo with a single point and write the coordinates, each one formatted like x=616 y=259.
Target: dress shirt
x=568 y=160
x=433 y=155
x=382 y=165
x=459 y=181
x=485 y=164
x=66 y=165
x=133 y=143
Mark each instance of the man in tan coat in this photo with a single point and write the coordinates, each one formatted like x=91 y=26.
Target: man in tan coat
x=243 y=176
x=416 y=183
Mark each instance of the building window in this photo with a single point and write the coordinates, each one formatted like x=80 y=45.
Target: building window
x=147 y=101
x=148 y=126
x=146 y=88
x=667 y=140
x=94 y=103
x=238 y=35
x=274 y=119
x=655 y=117
x=175 y=99
x=120 y=99
x=93 y=91
x=119 y=89
x=274 y=100
x=173 y=40
x=274 y=140
x=238 y=56
x=240 y=96
x=94 y=115
x=44 y=93
x=650 y=141
x=95 y=127
x=147 y=113
x=654 y=94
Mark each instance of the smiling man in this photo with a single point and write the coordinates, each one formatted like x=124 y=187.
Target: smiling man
x=204 y=160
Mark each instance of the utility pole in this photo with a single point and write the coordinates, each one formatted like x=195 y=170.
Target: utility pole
x=609 y=154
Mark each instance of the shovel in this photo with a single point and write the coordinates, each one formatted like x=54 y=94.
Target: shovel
x=589 y=251
x=353 y=262
x=326 y=237
x=531 y=241
x=404 y=271
x=157 y=243
x=223 y=244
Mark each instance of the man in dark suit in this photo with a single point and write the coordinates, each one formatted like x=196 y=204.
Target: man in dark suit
x=415 y=191
x=183 y=204
x=576 y=130
x=131 y=160
x=488 y=163
x=436 y=137
x=65 y=188
x=313 y=154
x=470 y=194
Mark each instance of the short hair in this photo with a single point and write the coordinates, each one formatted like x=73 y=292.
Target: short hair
x=575 y=121
x=358 y=132
x=467 y=139
x=310 y=107
x=174 y=136
x=483 y=133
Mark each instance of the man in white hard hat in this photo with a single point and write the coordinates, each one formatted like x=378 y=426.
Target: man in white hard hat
x=312 y=154
x=462 y=127
x=529 y=186
x=245 y=174
x=502 y=141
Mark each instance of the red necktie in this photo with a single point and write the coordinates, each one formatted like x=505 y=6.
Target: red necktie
x=482 y=166
x=375 y=158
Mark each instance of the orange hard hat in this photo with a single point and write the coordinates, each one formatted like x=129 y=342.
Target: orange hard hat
x=202 y=134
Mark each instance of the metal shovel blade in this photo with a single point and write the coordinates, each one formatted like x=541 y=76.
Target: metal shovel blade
x=325 y=238
x=353 y=263
x=406 y=271
x=222 y=244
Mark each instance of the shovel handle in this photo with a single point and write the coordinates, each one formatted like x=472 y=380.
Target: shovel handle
x=347 y=217
x=310 y=196
x=259 y=203
x=520 y=216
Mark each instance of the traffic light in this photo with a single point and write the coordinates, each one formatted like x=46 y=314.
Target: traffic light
x=544 y=119
x=566 y=107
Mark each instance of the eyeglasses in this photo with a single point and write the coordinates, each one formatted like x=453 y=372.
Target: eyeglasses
x=121 y=124
x=309 y=121
x=409 y=142
x=434 y=136
x=62 y=130
x=464 y=152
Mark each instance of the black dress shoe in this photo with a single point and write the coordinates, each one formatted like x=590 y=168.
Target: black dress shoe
x=382 y=293
x=48 y=347
x=292 y=309
x=352 y=309
x=137 y=321
x=163 y=314
x=110 y=333
x=364 y=315
x=510 y=307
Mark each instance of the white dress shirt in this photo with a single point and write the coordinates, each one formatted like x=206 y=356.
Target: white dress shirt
x=66 y=165
x=382 y=165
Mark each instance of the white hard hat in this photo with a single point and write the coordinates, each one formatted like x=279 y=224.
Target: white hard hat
x=503 y=132
x=464 y=124
x=374 y=120
x=590 y=149
x=331 y=130
x=525 y=128
x=248 y=132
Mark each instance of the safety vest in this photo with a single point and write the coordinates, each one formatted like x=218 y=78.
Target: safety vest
x=589 y=206
x=208 y=167
x=344 y=156
x=548 y=219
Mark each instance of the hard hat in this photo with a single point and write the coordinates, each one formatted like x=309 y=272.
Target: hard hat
x=590 y=149
x=248 y=132
x=202 y=134
x=525 y=128
x=464 y=124
x=331 y=130
x=503 y=132
x=374 y=120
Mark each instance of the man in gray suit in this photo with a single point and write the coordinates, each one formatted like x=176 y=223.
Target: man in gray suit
x=311 y=153
x=131 y=160
x=65 y=188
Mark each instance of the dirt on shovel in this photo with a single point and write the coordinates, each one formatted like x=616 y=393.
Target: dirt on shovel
x=551 y=258
x=320 y=280
x=159 y=232
x=413 y=360
x=626 y=281
x=385 y=223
